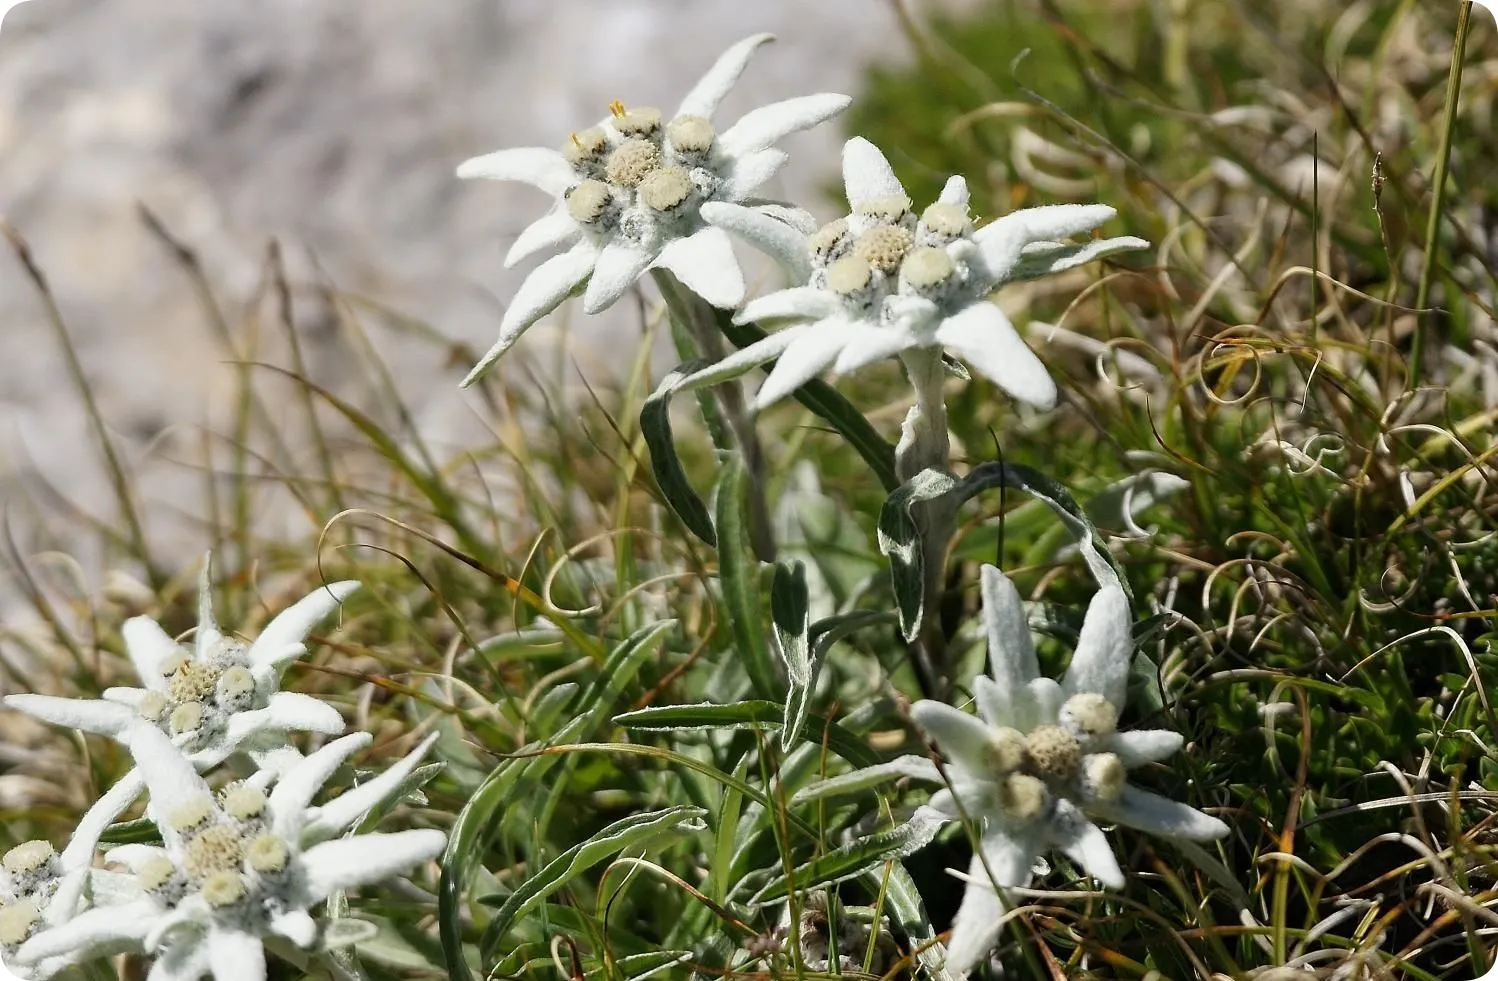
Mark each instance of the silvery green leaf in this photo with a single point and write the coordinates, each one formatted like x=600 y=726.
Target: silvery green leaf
x=635 y=831
x=912 y=767
x=791 y=623
x=857 y=857
x=670 y=475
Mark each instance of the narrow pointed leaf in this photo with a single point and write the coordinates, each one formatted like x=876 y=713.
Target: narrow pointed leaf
x=738 y=574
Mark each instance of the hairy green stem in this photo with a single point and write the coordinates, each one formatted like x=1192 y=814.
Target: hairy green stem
x=1438 y=193
x=690 y=310
x=924 y=445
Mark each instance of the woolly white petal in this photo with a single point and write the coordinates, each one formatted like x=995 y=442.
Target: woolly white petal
x=66 y=897
x=1048 y=222
x=773 y=237
x=124 y=792
x=542 y=292
x=806 y=357
x=743 y=360
x=873 y=344
x=296 y=925
x=290 y=627
x=1101 y=661
x=287 y=711
x=1011 y=855
x=90 y=715
x=617 y=268
x=1084 y=843
x=1011 y=652
x=148 y=646
x=124 y=696
x=183 y=960
x=1145 y=745
x=866 y=173
x=297 y=787
x=709 y=91
x=962 y=738
x=235 y=956
x=705 y=264
x=800 y=219
x=955 y=191
x=1003 y=241
x=347 y=862
x=975 y=928
x=538 y=166
x=168 y=774
x=750 y=172
x=552 y=229
x=348 y=808
x=1045 y=698
x=977 y=797
x=1046 y=258
x=982 y=336
x=92 y=929
x=1159 y=816
x=108 y=888
x=759 y=128
x=134 y=857
x=208 y=634
x=806 y=302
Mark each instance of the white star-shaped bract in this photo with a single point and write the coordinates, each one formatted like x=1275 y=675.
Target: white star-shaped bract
x=630 y=192
x=40 y=889
x=219 y=697
x=882 y=281
x=1043 y=760
x=239 y=867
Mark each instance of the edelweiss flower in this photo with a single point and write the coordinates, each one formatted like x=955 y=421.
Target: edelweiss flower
x=219 y=697
x=629 y=194
x=1045 y=760
x=883 y=281
x=40 y=889
x=241 y=865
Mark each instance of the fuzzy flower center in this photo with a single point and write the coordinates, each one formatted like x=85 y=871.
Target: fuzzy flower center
x=217 y=849
x=1022 y=797
x=244 y=802
x=28 y=859
x=17 y=922
x=588 y=201
x=690 y=134
x=884 y=247
x=927 y=269
x=941 y=223
x=632 y=162
x=157 y=875
x=267 y=855
x=641 y=121
x=1088 y=715
x=666 y=189
x=829 y=243
x=191 y=816
x=191 y=682
x=587 y=148
x=224 y=889
x=1056 y=756
x=890 y=208
x=850 y=276
x=1103 y=777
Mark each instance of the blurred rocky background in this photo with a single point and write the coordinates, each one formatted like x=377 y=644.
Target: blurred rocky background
x=332 y=127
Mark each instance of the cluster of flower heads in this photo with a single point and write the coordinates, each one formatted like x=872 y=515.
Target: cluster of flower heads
x=238 y=867
x=1043 y=762
x=630 y=194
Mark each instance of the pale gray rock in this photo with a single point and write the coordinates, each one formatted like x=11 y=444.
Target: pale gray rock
x=333 y=126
